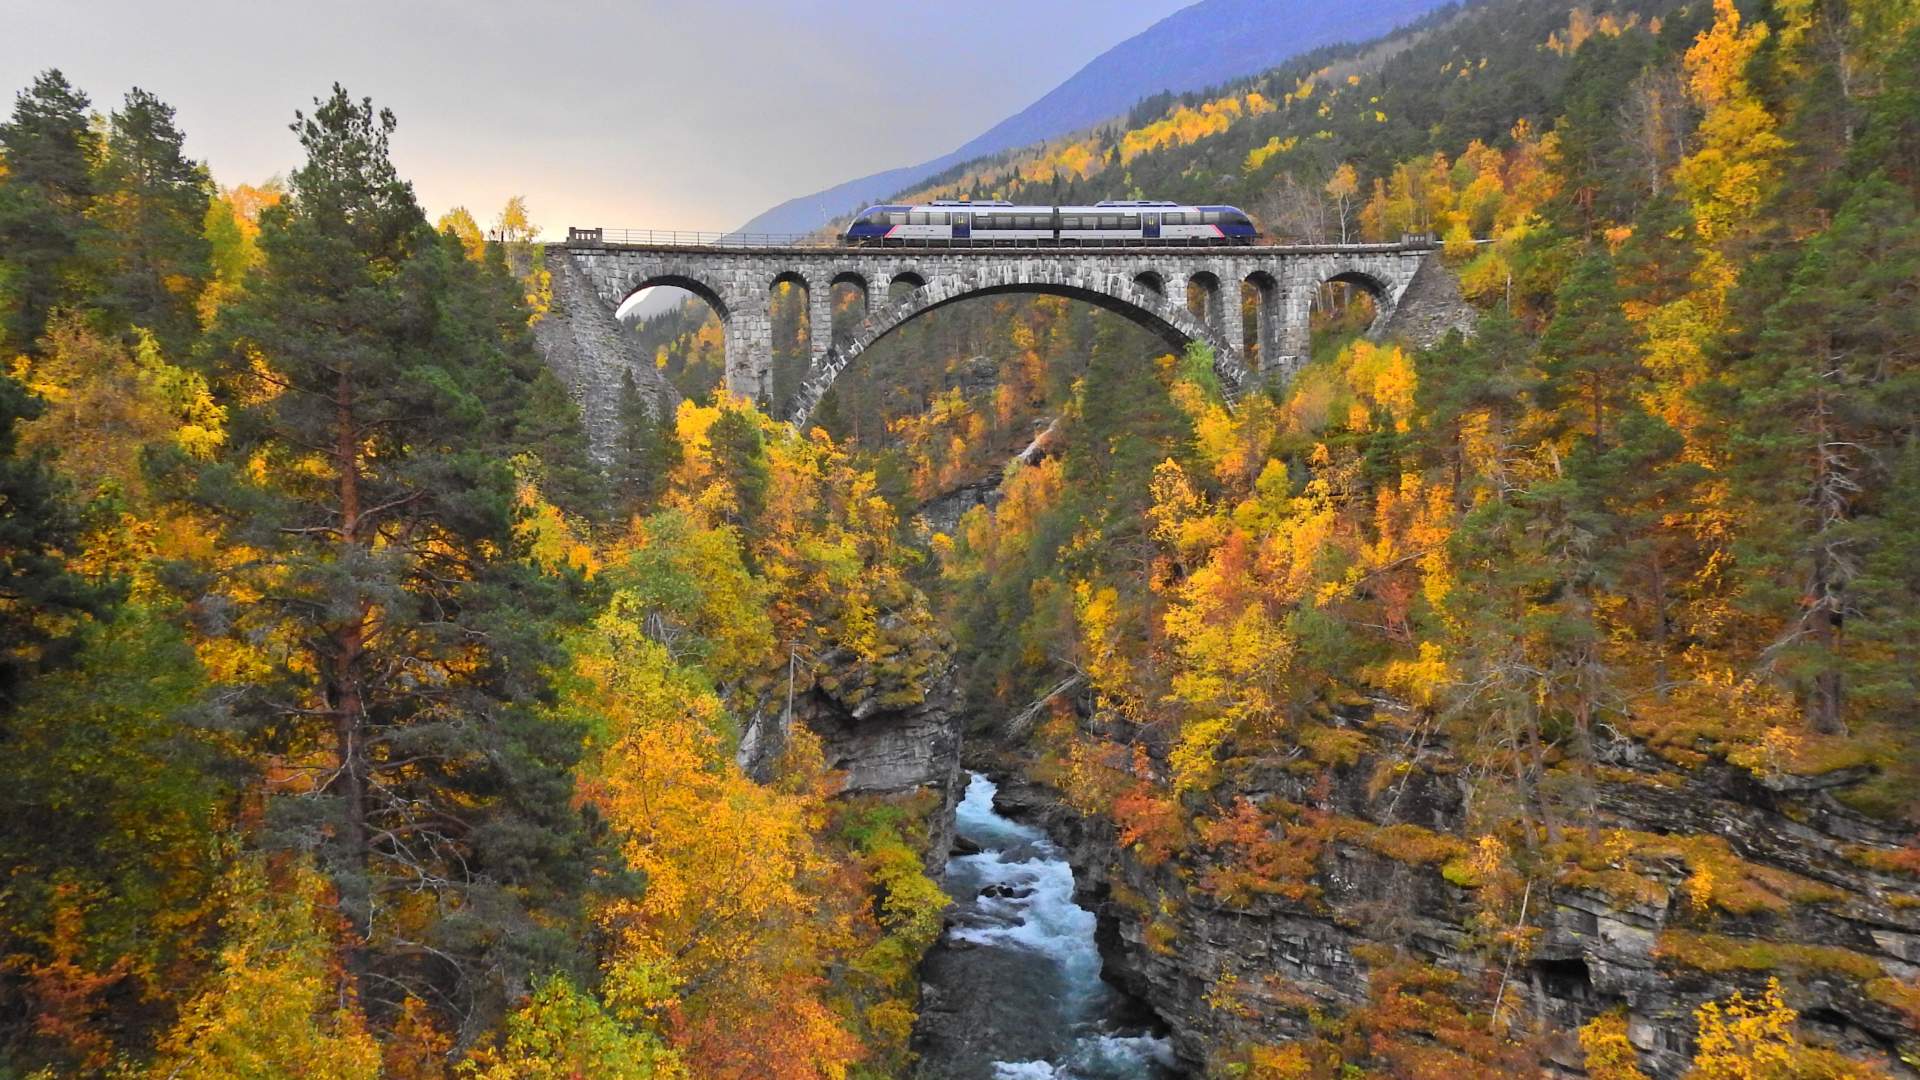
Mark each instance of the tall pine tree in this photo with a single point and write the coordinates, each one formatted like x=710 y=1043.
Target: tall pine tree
x=153 y=211
x=368 y=487
x=45 y=193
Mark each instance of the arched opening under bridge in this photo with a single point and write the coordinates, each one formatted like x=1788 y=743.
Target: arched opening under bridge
x=680 y=321
x=1347 y=305
x=790 y=326
x=1171 y=324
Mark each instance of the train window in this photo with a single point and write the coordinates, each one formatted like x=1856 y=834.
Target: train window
x=937 y=219
x=1175 y=219
x=917 y=217
x=1109 y=221
x=897 y=217
x=1023 y=221
x=1070 y=221
x=1212 y=217
x=1130 y=221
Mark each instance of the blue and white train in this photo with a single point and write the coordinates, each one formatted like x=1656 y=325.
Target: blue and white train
x=985 y=224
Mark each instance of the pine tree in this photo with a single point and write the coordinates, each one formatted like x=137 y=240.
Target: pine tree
x=153 y=212
x=1589 y=353
x=45 y=193
x=647 y=451
x=549 y=427
x=1819 y=409
x=1487 y=377
x=40 y=598
x=369 y=482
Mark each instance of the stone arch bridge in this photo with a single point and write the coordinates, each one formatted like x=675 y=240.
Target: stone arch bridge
x=1181 y=293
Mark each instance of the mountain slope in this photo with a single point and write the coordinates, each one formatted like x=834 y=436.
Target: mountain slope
x=1198 y=46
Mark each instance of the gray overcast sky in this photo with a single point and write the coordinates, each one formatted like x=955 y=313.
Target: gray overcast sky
x=643 y=113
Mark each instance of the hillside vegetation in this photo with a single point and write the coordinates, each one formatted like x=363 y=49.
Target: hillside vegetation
x=1529 y=614
x=357 y=724
x=1543 y=699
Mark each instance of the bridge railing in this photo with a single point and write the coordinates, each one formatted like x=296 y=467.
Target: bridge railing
x=684 y=238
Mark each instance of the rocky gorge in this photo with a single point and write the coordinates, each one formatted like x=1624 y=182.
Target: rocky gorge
x=1813 y=903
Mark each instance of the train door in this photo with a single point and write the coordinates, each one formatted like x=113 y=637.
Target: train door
x=1150 y=226
x=962 y=225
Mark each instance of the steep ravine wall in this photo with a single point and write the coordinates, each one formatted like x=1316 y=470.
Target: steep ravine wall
x=1175 y=945
x=885 y=738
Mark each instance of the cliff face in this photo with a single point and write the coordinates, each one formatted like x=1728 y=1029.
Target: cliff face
x=1796 y=897
x=891 y=725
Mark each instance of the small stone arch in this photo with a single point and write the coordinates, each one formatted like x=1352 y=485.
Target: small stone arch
x=1203 y=297
x=858 y=281
x=1261 y=299
x=1152 y=281
x=1172 y=322
x=909 y=277
x=673 y=279
x=1379 y=291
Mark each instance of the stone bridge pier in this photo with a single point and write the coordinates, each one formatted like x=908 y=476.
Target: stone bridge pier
x=1182 y=294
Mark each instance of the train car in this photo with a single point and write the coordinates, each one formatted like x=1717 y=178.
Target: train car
x=991 y=224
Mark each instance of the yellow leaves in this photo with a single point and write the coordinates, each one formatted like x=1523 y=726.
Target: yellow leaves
x=1181 y=517
x=722 y=856
x=1260 y=155
x=1728 y=178
x=552 y=540
x=1731 y=175
x=106 y=406
x=1699 y=887
x=1582 y=25
x=1187 y=124
x=1421 y=678
x=1745 y=1038
x=459 y=223
x=1716 y=63
x=276 y=1006
x=562 y=1034
x=1345 y=182
x=1192 y=759
x=1102 y=619
x=1074 y=160
x=1383 y=377
x=1608 y=1053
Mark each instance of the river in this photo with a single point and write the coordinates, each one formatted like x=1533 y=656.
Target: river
x=1013 y=990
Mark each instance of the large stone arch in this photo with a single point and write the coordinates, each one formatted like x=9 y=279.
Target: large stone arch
x=1116 y=292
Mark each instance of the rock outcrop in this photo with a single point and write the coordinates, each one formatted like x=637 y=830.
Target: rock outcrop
x=1843 y=935
x=893 y=729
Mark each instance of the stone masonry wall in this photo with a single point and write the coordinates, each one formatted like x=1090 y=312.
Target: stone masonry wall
x=1148 y=284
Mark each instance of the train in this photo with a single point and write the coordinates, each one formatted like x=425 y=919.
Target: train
x=995 y=224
